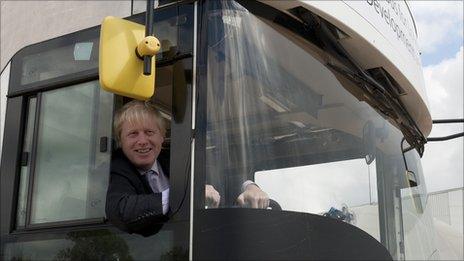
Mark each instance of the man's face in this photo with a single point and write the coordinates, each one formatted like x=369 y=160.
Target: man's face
x=141 y=142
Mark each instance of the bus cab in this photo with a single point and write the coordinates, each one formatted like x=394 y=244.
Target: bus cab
x=310 y=100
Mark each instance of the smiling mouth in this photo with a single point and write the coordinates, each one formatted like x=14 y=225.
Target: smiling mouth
x=143 y=151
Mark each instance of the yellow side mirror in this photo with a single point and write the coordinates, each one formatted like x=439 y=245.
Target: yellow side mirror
x=120 y=68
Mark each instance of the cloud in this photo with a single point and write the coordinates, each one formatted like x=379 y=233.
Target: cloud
x=438 y=22
x=443 y=165
x=444 y=85
x=443 y=161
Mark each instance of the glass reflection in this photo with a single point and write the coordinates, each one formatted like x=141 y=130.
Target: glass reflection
x=306 y=135
x=273 y=104
x=60 y=61
x=327 y=189
x=71 y=175
x=100 y=244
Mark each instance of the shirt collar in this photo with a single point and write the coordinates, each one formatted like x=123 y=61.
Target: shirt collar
x=154 y=167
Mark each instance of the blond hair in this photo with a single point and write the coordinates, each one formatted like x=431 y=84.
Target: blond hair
x=136 y=112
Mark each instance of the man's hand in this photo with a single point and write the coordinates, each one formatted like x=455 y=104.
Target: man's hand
x=212 y=197
x=253 y=197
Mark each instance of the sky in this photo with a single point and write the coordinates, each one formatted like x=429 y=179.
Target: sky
x=440 y=39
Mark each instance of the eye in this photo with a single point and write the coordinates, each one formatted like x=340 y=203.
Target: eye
x=151 y=132
x=132 y=134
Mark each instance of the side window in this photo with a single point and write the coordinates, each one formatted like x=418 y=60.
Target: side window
x=65 y=165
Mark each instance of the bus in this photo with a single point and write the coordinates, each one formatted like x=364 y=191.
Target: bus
x=321 y=103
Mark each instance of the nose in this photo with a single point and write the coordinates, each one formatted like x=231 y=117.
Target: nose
x=142 y=139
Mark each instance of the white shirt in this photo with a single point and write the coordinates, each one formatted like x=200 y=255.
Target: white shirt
x=159 y=183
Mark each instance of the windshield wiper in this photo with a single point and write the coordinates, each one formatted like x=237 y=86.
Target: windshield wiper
x=391 y=106
x=386 y=97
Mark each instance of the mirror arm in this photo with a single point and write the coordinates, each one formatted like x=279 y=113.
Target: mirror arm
x=148 y=32
x=449 y=137
x=447 y=121
x=410 y=175
x=404 y=151
x=457 y=135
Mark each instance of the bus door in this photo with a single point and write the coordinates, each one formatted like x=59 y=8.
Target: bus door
x=58 y=143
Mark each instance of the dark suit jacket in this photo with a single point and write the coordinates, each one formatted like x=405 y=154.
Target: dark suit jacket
x=131 y=205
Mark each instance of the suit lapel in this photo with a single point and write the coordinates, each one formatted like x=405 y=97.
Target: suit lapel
x=146 y=185
x=163 y=160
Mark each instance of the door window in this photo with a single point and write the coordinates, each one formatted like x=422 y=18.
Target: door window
x=70 y=163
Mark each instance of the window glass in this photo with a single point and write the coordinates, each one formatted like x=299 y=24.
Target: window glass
x=72 y=58
x=166 y=28
x=26 y=164
x=283 y=119
x=348 y=186
x=306 y=135
x=139 y=6
x=166 y=32
x=71 y=172
x=99 y=244
x=416 y=216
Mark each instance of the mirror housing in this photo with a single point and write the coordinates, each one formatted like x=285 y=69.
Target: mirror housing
x=120 y=68
x=411 y=179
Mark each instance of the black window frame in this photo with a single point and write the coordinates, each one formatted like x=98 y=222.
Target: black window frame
x=15 y=86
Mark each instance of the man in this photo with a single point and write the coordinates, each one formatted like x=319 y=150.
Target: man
x=137 y=199
x=138 y=192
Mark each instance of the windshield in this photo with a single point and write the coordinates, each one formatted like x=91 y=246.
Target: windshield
x=277 y=115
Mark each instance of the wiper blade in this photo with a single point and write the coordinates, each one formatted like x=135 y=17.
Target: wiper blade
x=387 y=99
x=371 y=93
x=390 y=105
